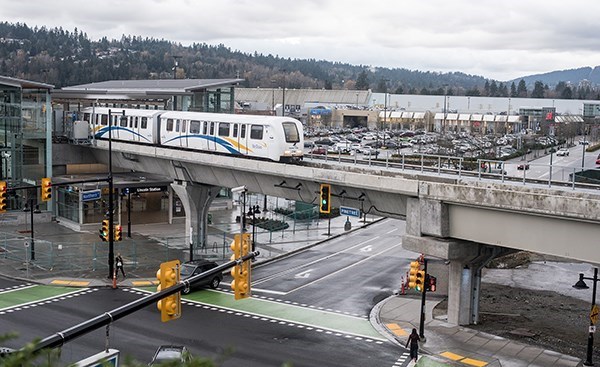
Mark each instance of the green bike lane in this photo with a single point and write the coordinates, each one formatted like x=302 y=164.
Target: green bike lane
x=32 y=294
x=307 y=316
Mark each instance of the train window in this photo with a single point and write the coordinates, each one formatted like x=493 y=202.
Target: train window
x=86 y=117
x=256 y=132
x=223 y=129
x=135 y=121
x=204 y=127
x=194 y=127
x=104 y=119
x=290 y=130
x=235 y=130
x=177 y=125
x=144 y=122
x=115 y=118
x=183 y=125
x=169 y=124
x=243 y=132
x=212 y=128
x=123 y=121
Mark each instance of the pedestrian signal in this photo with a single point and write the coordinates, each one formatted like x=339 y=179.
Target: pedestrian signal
x=3 y=190
x=46 y=189
x=104 y=230
x=325 y=204
x=431 y=282
x=169 y=275
x=241 y=272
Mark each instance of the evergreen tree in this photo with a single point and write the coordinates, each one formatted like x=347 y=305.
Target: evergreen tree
x=513 y=90
x=522 y=89
x=362 y=82
x=538 y=90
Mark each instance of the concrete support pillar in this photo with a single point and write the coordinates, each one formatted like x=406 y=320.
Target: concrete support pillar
x=196 y=200
x=460 y=293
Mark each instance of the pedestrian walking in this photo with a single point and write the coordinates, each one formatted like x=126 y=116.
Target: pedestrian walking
x=119 y=263
x=413 y=340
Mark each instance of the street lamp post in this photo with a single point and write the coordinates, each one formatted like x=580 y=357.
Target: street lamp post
x=252 y=211
x=593 y=314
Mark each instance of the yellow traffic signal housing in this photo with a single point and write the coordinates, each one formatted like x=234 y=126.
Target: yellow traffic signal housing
x=420 y=281
x=324 y=203
x=169 y=275
x=46 y=189
x=117 y=232
x=241 y=273
x=3 y=199
x=415 y=267
x=104 y=230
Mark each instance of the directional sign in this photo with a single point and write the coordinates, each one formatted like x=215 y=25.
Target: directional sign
x=594 y=314
x=91 y=195
x=351 y=212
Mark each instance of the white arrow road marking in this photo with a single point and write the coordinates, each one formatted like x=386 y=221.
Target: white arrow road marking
x=305 y=274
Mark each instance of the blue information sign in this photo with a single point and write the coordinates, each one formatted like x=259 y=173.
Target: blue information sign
x=91 y=195
x=351 y=212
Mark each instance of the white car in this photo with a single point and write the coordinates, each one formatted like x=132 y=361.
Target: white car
x=563 y=152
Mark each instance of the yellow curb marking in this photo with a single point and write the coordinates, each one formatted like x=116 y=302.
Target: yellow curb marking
x=474 y=362
x=452 y=356
x=142 y=283
x=462 y=359
x=396 y=329
x=71 y=283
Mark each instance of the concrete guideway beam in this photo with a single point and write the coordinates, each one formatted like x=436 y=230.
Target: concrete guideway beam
x=196 y=199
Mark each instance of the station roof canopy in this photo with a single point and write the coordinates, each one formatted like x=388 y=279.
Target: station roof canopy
x=22 y=83
x=142 y=89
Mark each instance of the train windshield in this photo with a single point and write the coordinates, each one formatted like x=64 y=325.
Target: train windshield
x=291 y=133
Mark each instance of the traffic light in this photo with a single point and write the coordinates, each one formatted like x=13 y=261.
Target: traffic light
x=415 y=267
x=241 y=273
x=2 y=196
x=325 y=204
x=420 y=282
x=117 y=233
x=168 y=275
x=431 y=282
x=46 y=189
x=104 y=230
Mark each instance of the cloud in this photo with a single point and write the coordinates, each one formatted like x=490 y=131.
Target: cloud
x=495 y=39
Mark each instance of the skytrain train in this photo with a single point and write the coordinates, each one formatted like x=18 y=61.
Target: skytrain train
x=279 y=139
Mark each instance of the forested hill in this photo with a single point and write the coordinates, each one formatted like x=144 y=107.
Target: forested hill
x=64 y=58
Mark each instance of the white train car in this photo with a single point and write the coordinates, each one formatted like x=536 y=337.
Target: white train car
x=127 y=124
x=268 y=137
x=278 y=139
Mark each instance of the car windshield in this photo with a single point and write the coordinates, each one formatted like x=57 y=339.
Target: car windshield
x=187 y=270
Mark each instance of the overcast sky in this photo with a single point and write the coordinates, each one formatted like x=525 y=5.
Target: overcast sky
x=499 y=39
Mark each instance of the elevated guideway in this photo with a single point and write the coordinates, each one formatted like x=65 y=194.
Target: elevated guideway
x=465 y=220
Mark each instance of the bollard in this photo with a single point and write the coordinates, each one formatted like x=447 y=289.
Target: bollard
x=114 y=285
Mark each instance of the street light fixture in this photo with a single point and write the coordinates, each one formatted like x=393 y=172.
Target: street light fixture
x=593 y=314
x=252 y=211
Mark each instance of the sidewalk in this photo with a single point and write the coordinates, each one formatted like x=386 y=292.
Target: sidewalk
x=445 y=344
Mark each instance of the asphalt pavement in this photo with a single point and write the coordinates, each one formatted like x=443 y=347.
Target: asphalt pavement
x=393 y=317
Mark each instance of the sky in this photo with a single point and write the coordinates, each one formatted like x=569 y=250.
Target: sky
x=497 y=39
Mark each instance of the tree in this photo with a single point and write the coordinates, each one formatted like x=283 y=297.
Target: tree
x=522 y=89
x=362 y=82
x=513 y=90
x=566 y=93
x=538 y=90
x=381 y=86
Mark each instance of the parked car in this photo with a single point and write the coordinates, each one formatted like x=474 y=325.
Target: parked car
x=195 y=267
x=562 y=152
x=598 y=159
x=319 y=150
x=523 y=166
x=170 y=354
x=584 y=142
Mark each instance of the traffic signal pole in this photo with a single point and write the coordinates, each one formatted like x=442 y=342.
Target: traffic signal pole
x=111 y=240
x=62 y=337
x=423 y=293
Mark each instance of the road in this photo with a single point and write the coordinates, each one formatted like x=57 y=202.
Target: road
x=309 y=309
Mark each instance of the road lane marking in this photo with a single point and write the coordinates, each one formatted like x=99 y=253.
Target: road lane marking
x=304 y=274
x=287 y=271
x=285 y=314
x=30 y=297
x=16 y=288
x=340 y=270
